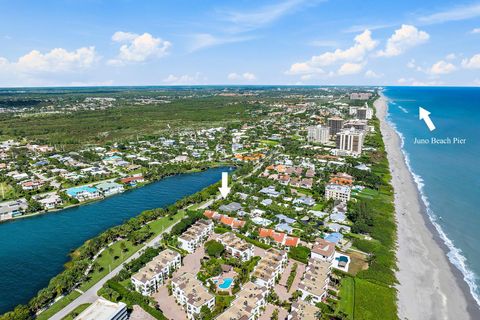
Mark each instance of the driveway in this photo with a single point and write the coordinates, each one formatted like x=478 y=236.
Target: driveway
x=168 y=305
x=281 y=286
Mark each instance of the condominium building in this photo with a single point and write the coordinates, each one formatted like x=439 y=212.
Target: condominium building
x=270 y=267
x=248 y=304
x=302 y=310
x=149 y=278
x=323 y=250
x=103 y=309
x=195 y=235
x=318 y=134
x=236 y=247
x=335 y=124
x=191 y=294
x=315 y=281
x=360 y=95
x=364 y=113
x=350 y=140
x=356 y=124
x=337 y=192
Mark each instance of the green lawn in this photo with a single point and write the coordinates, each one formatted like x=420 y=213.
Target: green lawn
x=269 y=142
x=76 y=311
x=318 y=207
x=347 y=296
x=114 y=256
x=373 y=301
x=7 y=191
x=59 y=305
x=366 y=193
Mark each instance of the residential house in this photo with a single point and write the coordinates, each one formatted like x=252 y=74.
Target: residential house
x=109 y=188
x=323 y=250
x=236 y=247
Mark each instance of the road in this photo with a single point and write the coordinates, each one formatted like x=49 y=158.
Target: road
x=90 y=295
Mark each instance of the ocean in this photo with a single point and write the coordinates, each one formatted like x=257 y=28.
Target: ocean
x=446 y=169
x=33 y=250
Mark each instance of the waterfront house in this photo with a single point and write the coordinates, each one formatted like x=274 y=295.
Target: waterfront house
x=109 y=188
x=83 y=193
x=10 y=209
x=51 y=201
x=132 y=181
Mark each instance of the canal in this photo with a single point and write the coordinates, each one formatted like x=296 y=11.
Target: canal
x=33 y=250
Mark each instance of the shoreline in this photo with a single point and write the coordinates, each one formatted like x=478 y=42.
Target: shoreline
x=75 y=205
x=425 y=273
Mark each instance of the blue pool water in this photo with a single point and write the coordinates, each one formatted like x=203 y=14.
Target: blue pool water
x=227 y=282
x=33 y=250
x=447 y=176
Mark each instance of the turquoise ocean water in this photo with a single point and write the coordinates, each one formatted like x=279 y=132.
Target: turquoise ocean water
x=447 y=175
x=33 y=250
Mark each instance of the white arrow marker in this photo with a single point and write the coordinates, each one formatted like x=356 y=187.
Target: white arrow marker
x=225 y=189
x=425 y=116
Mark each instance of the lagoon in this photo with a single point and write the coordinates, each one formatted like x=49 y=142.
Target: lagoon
x=34 y=250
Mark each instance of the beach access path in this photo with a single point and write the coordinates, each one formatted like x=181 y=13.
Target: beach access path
x=429 y=286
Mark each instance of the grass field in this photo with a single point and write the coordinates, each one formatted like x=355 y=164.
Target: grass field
x=6 y=191
x=76 y=311
x=59 y=305
x=366 y=193
x=346 y=303
x=373 y=301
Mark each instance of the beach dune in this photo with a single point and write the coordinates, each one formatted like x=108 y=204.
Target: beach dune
x=429 y=286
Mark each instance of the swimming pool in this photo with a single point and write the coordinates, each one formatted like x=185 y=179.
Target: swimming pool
x=227 y=282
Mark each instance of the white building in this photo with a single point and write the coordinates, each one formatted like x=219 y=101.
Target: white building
x=103 y=309
x=191 y=295
x=195 y=235
x=270 y=267
x=51 y=201
x=149 y=278
x=318 y=134
x=323 y=250
x=337 y=192
x=248 y=305
x=350 y=140
x=236 y=247
x=315 y=281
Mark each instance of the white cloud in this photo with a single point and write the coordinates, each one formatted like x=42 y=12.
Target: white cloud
x=442 y=67
x=185 y=79
x=363 y=43
x=57 y=60
x=451 y=56
x=247 y=76
x=472 y=63
x=406 y=37
x=372 y=74
x=350 y=68
x=454 y=14
x=254 y=19
x=138 y=48
x=475 y=31
x=206 y=40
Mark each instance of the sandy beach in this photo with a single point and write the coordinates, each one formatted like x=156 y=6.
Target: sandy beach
x=429 y=286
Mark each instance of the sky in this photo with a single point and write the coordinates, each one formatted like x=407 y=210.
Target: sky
x=200 y=42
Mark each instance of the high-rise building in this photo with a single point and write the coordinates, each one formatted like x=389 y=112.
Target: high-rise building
x=335 y=124
x=350 y=140
x=364 y=113
x=319 y=134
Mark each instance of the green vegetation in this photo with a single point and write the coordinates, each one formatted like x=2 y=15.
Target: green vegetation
x=214 y=248
x=299 y=253
x=346 y=302
x=373 y=301
x=124 y=122
x=57 y=306
x=72 y=315
x=291 y=276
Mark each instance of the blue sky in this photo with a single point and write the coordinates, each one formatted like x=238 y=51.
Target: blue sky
x=350 y=42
